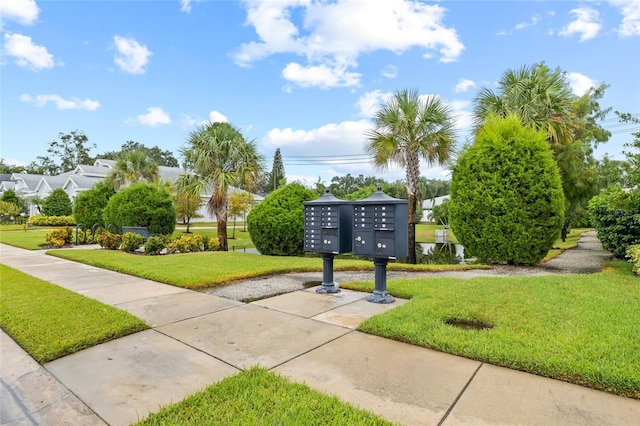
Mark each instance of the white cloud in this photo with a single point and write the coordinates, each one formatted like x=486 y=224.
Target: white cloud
x=188 y=121
x=522 y=25
x=154 y=117
x=580 y=84
x=132 y=57
x=461 y=111
x=464 y=84
x=370 y=102
x=332 y=35
x=185 y=6
x=26 y=53
x=60 y=102
x=630 y=10
x=587 y=24
x=217 y=117
x=25 y=12
x=390 y=71
x=322 y=76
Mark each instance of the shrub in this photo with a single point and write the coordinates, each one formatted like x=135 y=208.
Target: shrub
x=145 y=205
x=616 y=217
x=186 y=244
x=59 y=237
x=276 y=225
x=57 y=204
x=154 y=245
x=109 y=240
x=84 y=236
x=89 y=205
x=633 y=253
x=507 y=204
x=212 y=244
x=39 y=220
x=131 y=242
x=9 y=211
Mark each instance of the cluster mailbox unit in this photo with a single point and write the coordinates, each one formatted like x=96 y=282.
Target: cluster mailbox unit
x=374 y=227
x=380 y=231
x=327 y=231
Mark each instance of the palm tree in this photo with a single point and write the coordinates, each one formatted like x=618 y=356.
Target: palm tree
x=217 y=157
x=541 y=98
x=132 y=167
x=408 y=128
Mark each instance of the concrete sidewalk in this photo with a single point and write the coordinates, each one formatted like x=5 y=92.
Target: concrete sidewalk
x=198 y=339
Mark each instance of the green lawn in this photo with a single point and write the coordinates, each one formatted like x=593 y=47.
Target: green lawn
x=49 y=321
x=208 y=269
x=582 y=329
x=32 y=239
x=260 y=397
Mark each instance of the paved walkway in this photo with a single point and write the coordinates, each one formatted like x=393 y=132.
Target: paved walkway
x=198 y=339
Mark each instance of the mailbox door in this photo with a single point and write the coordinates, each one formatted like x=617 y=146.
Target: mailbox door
x=312 y=229
x=363 y=243
x=385 y=244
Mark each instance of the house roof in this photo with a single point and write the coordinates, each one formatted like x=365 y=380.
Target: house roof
x=86 y=170
x=428 y=204
x=170 y=174
x=52 y=182
x=81 y=183
x=104 y=162
x=30 y=181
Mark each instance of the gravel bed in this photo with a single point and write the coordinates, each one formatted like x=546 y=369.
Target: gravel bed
x=586 y=258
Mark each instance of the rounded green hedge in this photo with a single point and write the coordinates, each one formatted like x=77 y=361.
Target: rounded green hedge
x=616 y=217
x=90 y=204
x=57 y=203
x=145 y=205
x=507 y=204
x=276 y=225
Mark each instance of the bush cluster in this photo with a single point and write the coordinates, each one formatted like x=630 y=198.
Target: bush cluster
x=186 y=244
x=276 y=225
x=109 y=240
x=211 y=244
x=507 y=204
x=59 y=237
x=131 y=242
x=616 y=217
x=145 y=205
x=154 y=246
x=85 y=236
x=41 y=220
x=633 y=253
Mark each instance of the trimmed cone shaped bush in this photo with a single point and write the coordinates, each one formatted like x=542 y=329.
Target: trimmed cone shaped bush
x=276 y=225
x=507 y=204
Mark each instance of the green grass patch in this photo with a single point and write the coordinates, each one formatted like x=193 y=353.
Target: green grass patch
x=260 y=397
x=208 y=269
x=49 y=321
x=582 y=329
x=32 y=239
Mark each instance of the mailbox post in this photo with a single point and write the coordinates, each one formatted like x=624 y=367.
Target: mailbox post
x=380 y=231
x=327 y=231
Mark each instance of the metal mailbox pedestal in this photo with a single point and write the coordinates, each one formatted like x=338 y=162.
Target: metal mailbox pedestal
x=380 y=231
x=327 y=231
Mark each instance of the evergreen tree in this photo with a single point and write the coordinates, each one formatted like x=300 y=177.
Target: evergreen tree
x=277 y=177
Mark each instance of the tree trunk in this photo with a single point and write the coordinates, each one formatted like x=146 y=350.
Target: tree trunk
x=412 y=229
x=222 y=234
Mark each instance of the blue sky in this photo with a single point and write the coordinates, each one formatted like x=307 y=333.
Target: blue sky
x=300 y=75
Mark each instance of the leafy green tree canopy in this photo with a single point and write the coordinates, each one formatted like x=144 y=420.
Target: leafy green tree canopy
x=64 y=154
x=506 y=202
x=159 y=156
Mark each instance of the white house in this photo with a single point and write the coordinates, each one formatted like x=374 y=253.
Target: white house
x=427 y=205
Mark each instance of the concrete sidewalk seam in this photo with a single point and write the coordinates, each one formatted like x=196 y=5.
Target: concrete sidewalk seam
x=314 y=348
x=455 y=401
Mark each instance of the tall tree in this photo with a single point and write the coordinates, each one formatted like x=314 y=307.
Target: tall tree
x=65 y=153
x=133 y=167
x=542 y=99
x=277 y=177
x=633 y=157
x=408 y=128
x=187 y=206
x=162 y=158
x=216 y=157
x=239 y=205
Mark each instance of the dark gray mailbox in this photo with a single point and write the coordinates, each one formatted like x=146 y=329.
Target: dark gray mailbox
x=380 y=230
x=327 y=230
